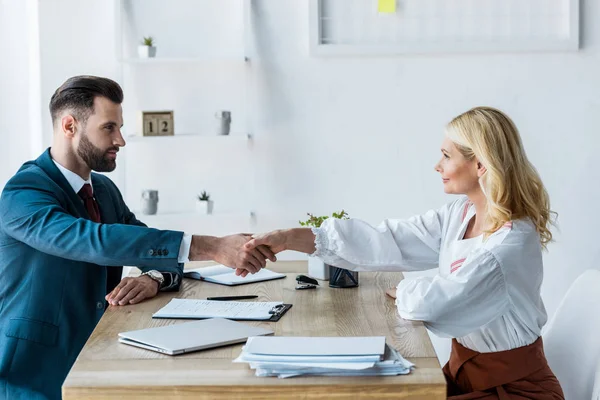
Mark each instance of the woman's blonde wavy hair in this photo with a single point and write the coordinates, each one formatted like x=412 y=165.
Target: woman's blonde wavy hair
x=512 y=185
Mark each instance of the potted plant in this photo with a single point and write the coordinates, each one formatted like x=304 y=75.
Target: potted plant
x=204 y=204
x=316 y=267
x=147 y=49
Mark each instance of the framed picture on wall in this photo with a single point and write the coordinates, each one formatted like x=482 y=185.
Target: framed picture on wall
x=156 y=123
x=385 y=27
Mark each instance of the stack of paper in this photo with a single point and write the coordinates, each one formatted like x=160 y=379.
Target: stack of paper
x=285 y=357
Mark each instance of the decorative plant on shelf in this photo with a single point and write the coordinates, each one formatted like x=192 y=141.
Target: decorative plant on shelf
x=317 y=221
x=147 y=49
x=204 y=204
x=148 y=41
x=204 y=196
x=316 y=267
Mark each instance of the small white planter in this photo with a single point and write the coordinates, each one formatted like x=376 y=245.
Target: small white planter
x=204 y=206
x=318 y=269
x=149 y=202
x=223 y=122
x=146 y=51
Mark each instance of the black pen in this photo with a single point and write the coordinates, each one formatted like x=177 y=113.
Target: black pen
x=232 y=297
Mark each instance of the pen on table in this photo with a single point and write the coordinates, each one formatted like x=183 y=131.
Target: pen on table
x=232 y=297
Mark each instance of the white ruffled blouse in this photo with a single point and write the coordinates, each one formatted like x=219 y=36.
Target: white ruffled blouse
x=486 y=293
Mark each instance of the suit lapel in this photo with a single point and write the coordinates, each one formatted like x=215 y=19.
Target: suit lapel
x=45 y=162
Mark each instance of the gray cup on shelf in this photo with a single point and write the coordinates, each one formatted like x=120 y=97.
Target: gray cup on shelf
x=223 y=122
x=149 y=202
x=342 y=278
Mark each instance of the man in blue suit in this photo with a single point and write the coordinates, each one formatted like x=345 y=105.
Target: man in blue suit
x=65 y=234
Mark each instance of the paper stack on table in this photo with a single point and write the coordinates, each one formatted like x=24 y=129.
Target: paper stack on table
x=286 y=357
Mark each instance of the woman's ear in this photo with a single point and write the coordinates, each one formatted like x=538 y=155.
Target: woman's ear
x=481 y=169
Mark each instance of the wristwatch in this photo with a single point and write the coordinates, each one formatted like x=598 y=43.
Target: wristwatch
x=155 y=276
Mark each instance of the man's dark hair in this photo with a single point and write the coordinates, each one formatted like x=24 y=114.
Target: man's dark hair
x=78 y=93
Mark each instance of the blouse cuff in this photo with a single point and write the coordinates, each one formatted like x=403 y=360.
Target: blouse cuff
x=321 y=242
x=397 y=293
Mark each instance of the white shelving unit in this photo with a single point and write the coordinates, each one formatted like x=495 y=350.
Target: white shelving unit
x=193 y=151
x=184 y=60
x=218 y=224
x=191 y=136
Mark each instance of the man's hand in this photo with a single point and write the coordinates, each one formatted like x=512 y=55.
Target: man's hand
x=133 y=291
x=230 y=251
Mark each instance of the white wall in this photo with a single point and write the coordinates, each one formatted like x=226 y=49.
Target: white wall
x=76 y=38
x=354 y=133
x=18 y=121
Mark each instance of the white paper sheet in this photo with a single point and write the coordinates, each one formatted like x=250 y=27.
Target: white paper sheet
x=316 y=346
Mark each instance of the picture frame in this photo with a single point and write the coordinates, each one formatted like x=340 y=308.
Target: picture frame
x=345 y=28
x=156 y=123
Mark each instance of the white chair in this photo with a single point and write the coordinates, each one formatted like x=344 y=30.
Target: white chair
x=572 y=338
x=596 y=393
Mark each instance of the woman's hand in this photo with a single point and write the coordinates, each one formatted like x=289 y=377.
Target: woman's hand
x=298 y=239
x=391 y=292
x=275 y=240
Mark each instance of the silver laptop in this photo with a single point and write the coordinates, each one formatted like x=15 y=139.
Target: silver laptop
x=192 y=336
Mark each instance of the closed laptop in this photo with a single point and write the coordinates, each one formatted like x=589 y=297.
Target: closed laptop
x=192 y=336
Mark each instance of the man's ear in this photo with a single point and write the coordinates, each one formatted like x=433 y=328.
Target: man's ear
x=481 y=169
x=68 y=125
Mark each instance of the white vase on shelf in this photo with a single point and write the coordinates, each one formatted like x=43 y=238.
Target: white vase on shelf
x=149 y=202
x=317 y=268
x=223 y=122
x=146 y=51
x=204 y=207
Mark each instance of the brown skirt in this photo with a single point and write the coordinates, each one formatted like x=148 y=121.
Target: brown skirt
x=521 y=373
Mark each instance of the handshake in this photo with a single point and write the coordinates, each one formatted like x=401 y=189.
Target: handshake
x=249 y=253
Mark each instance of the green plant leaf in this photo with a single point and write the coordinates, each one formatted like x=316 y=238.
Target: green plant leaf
x=204 y=196
x=148 y=41
x=317 y=221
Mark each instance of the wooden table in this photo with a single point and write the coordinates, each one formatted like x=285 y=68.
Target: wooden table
x=108 y=369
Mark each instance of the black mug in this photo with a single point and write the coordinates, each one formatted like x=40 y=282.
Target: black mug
x=342 y=278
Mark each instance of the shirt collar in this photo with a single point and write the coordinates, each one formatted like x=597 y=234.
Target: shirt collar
x=74 y=180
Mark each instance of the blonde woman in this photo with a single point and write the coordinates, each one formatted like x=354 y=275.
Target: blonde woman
x=487 y=246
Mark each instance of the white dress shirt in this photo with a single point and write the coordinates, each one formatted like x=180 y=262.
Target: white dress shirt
x=486 y=293
x=74 y=180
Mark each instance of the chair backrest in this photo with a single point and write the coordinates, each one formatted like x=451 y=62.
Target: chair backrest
x=571 y=339
x=596 y=393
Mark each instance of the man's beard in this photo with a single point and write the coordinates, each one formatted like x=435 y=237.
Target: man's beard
x=96 y=159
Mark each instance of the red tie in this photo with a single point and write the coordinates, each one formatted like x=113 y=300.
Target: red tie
x=90 y=203
x=113 y=275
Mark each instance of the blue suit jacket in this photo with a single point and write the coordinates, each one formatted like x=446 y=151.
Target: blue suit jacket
x=53 y=274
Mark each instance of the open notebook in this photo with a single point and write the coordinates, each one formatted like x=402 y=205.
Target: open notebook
x=226 y=276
